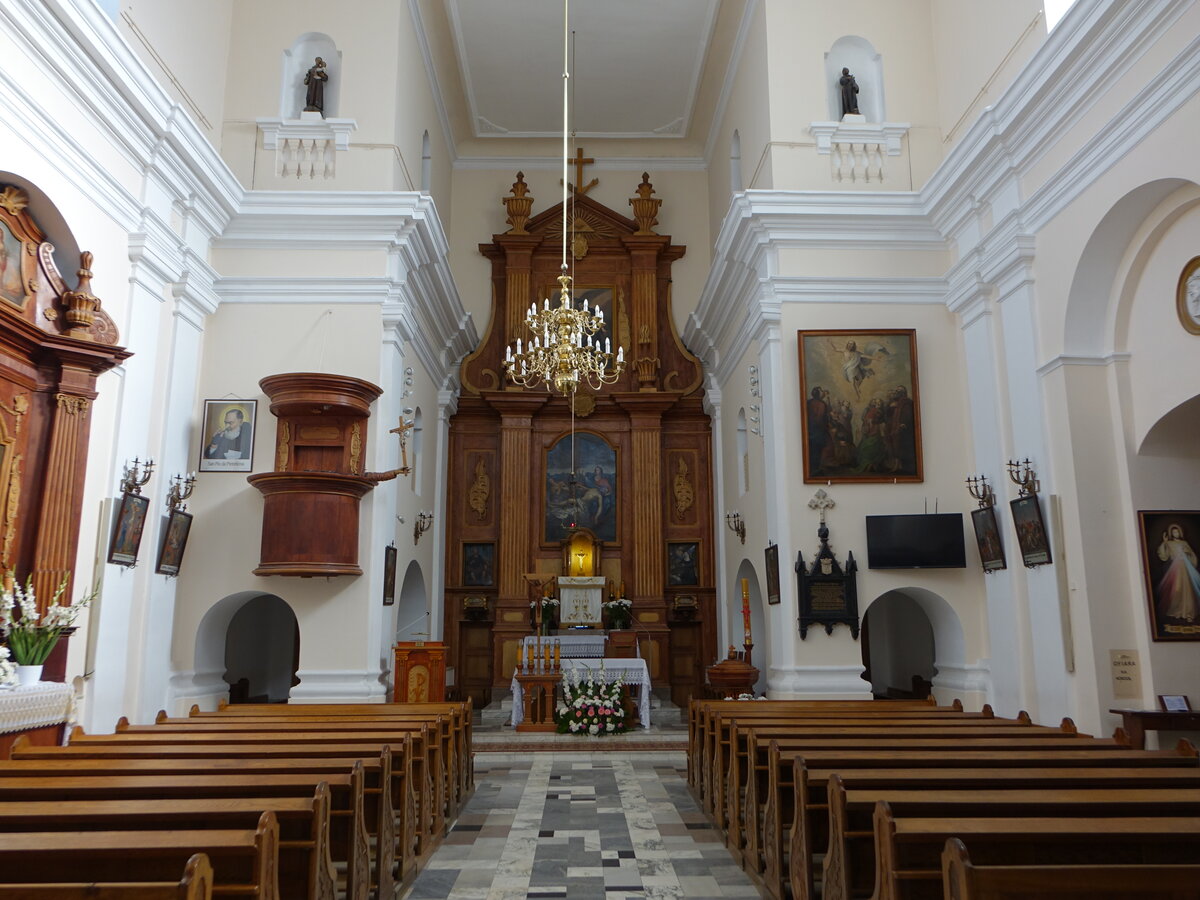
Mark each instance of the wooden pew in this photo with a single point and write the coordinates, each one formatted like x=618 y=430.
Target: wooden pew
x=809 y=816
x=849 y=864
x=411 y=791
x=427 y=752
x=196 y=884
x=378 y=792
x=459 y=715
x=348 y=833
x=244 y=861
x=748 y=768
x=305 y=860
x=963 y=880
x=908 y=850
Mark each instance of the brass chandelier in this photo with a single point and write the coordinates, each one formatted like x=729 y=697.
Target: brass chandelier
x=564 y=351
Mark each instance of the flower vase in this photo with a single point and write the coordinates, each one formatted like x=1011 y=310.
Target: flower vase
x=27 y=675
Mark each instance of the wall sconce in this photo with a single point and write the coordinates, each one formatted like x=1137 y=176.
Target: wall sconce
x=979 y=488
x=181 y=488
x=136 y=476
x=1022 y=475
x=736 y=525
x=422 y=525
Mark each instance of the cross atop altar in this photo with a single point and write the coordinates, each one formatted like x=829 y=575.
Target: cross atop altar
x=580 y=600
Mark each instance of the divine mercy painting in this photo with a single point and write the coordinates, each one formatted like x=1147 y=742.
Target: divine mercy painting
x=1170 y=544
x=862 y=414
x=586 y=499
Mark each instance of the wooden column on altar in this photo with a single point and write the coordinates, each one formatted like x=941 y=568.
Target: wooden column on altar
x=55 y=341
x=650 y=424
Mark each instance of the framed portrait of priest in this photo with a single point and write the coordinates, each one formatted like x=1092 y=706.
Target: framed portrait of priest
x=228 y=440
x=860 y=406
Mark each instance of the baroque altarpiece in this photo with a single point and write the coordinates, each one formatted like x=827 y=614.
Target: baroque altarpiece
x=637 y=475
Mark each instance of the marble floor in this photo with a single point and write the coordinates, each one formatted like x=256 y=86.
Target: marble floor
x=584 y=826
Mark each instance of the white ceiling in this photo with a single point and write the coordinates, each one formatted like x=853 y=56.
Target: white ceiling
x=635 y=74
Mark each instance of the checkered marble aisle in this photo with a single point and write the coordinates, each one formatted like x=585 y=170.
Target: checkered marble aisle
x=584 y=826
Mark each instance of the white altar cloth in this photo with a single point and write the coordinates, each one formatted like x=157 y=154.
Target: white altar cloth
x=44 y=703
x=580 y=600
x=571 y=646
x=632 y=672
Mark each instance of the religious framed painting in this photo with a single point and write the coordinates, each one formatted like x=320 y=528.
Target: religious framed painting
x=389 y=574
x=1170 y=540
x=585 y=499
x=683 y=563
x=228 y=436
x=12 y=265
x=127 y=529
x=478 y=562
x=1031 y=531
x=772 y=559
x=987 y=538
x=861 y=416
x=174 y=542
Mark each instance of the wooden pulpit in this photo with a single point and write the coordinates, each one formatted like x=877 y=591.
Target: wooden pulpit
x=419 y=673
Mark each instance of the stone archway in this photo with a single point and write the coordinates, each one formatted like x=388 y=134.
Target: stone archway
x=412 y=606
x=913 y=631
x=262 y=651
x=758 y=623
x=208 y=677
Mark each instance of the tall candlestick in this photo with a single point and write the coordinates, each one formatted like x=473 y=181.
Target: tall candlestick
x=746 y=609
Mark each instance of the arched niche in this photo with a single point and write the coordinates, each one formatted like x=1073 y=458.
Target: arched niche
x=736 y=183
x=758 y=624
x=54 y=226
x=951 y=673
x=296 y=61
x=898 y=648
x=209 y=668
x=743 y=453
x=412 y=606
x=426 y=164
x=418 y=446
x=859 y=56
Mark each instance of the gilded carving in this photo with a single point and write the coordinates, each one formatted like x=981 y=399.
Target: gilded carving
x=583 y=403
x=72 y=405
x=685 y=492
x=12 y=504
x=480 y=490
x=104 y=329
x=519 y=205
x=284 y=448
x=13 y=199
x=645 y=207
x=20 y=406
x=81 y=304
x=355 y=447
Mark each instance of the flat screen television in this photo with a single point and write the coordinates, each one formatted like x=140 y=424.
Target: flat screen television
x=916 y=542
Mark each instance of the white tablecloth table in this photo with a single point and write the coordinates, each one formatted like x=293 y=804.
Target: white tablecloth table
x=44 y=703
x=632 y=672
x=588 y=645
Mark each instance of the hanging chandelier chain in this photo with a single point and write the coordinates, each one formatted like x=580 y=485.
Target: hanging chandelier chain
x=564 y=351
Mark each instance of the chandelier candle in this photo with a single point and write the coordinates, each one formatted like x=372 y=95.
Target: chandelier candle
x=746 y=609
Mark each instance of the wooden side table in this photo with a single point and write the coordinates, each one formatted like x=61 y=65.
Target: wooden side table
x=538 y=691
x=1137 y=722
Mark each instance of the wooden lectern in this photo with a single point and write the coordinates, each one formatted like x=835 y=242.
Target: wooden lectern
x=419 y=673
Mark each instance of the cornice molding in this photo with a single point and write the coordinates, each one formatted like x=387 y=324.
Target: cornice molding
x=650 y=164
x=435 y=85
x=1064 y=361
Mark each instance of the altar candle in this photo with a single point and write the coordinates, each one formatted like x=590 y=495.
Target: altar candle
x=746 y=609
x=557 y=656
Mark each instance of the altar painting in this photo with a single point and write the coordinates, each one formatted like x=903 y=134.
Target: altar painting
x=590 y=501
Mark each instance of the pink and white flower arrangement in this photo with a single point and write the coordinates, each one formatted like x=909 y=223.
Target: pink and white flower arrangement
x=590 y=706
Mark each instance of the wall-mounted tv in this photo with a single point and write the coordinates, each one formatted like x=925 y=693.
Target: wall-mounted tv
x=916 y=542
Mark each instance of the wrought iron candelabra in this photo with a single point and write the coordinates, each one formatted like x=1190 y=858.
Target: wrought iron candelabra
x=180 y=490
x=136 y=477
x=978 y=487
x=1022 y=475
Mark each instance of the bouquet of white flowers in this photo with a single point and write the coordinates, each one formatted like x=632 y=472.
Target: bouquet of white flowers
x=590 y=707
x=620 y=613
x=30 y=635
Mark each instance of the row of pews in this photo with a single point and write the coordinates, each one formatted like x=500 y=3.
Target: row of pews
x=262 y=801
x=908 y=800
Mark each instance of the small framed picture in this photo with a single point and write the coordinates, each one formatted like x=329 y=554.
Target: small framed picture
x=478 y=565
x=174 y=542
x=389 y=574
x=1174 y=703
x=987 y=537
x=127 y=530
x=228 y=436
x=772 y=574
x=683 y=563
x=1031 y=531
x=1187 y=296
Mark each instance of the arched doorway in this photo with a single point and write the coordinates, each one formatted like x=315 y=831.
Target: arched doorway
x=226 y=647
x=412 y=607
x=898 y=648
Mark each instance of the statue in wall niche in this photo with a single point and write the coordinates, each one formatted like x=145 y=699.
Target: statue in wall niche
x=314 y=79
x=849 y=89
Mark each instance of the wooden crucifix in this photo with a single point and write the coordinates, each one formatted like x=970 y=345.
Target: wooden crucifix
x=580 y=161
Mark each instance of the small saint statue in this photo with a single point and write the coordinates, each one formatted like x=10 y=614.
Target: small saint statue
x=314 y=79
x=849 y=89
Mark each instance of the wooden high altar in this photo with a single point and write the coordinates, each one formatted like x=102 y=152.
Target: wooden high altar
x=645 y=490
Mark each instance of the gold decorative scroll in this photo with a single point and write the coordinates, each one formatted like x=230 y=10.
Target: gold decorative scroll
x=284 y=448
x=480 y=490
x=73 y=405
x=12 y=503
x=685 y=493
x=13 y=200
x=355 y=447
x=20 y=406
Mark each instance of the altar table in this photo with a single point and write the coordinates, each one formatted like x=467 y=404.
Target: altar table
x=632 y=672
x=571 y=646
